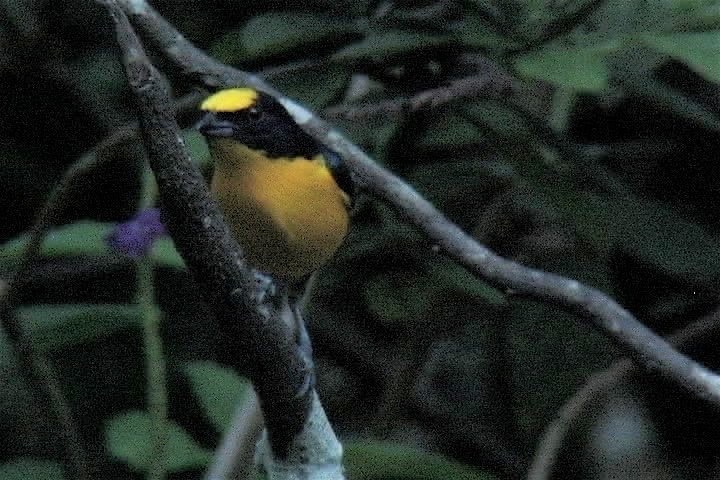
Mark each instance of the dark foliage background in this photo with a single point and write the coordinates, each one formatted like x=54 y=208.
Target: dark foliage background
x=598 y=162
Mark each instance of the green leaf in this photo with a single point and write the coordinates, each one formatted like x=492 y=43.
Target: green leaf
x=24 y=17
x=380 y=46
x=563 y=104
x=398 y=296
x=95 y=74
x=500 y=119
x=475 y=32
x=645 y=229
x=84 y=238
x=383 y=235
x=707 y=18
x=450 y=131
x=164 y=254
x=550 y=357
x=279 y=32
x=668 y=98
x=197 y=147
x=454 y=185
x=54 y=327
x=452 y=276
x=376 y=460
x=229 y=48
x=218 y=389
x=381 y=137
x=129 y=437
x=589 y=212
x=80 y=238
x=582 y=69
x=315 y=87
x=662 y=238
x=30 y=469
x=700 y=51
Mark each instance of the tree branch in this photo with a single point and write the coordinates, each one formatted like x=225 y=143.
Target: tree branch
x=298 y=438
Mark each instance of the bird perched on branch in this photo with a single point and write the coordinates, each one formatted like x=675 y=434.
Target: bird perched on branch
x=285 y=195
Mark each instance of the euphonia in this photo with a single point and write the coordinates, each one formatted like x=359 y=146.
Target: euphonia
x=285 y=196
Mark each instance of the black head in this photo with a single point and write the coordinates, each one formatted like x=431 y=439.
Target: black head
x=257 y=120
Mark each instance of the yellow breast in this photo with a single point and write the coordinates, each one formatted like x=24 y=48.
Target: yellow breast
x=289 y=215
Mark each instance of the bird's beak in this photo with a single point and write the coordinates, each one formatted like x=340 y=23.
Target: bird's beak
x=211 y=126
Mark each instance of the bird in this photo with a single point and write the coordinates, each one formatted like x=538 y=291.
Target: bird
x=285 y=196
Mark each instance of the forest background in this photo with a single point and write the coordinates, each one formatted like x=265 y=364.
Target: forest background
x=576 y=137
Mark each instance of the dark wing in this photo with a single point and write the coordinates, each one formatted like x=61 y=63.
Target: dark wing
x=340 y=172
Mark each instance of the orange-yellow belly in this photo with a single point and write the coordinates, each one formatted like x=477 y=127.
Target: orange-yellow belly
x=289 y=215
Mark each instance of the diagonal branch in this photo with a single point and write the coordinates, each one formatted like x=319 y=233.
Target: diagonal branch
x=643 y=345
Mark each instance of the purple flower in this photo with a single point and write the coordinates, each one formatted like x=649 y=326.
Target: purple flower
x=135 y=237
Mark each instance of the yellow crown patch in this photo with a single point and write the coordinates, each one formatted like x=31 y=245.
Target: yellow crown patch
x=230 y=100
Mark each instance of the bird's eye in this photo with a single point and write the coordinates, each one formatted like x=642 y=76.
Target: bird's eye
x=254 y=113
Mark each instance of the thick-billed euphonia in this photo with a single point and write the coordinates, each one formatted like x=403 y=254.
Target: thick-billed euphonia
x=285 y=195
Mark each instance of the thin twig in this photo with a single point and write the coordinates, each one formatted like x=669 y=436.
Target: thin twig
x=649 y=349
x=155 y=367
x=54 y=206
x=233 y=457
x=549 y=447
x=471 y=86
